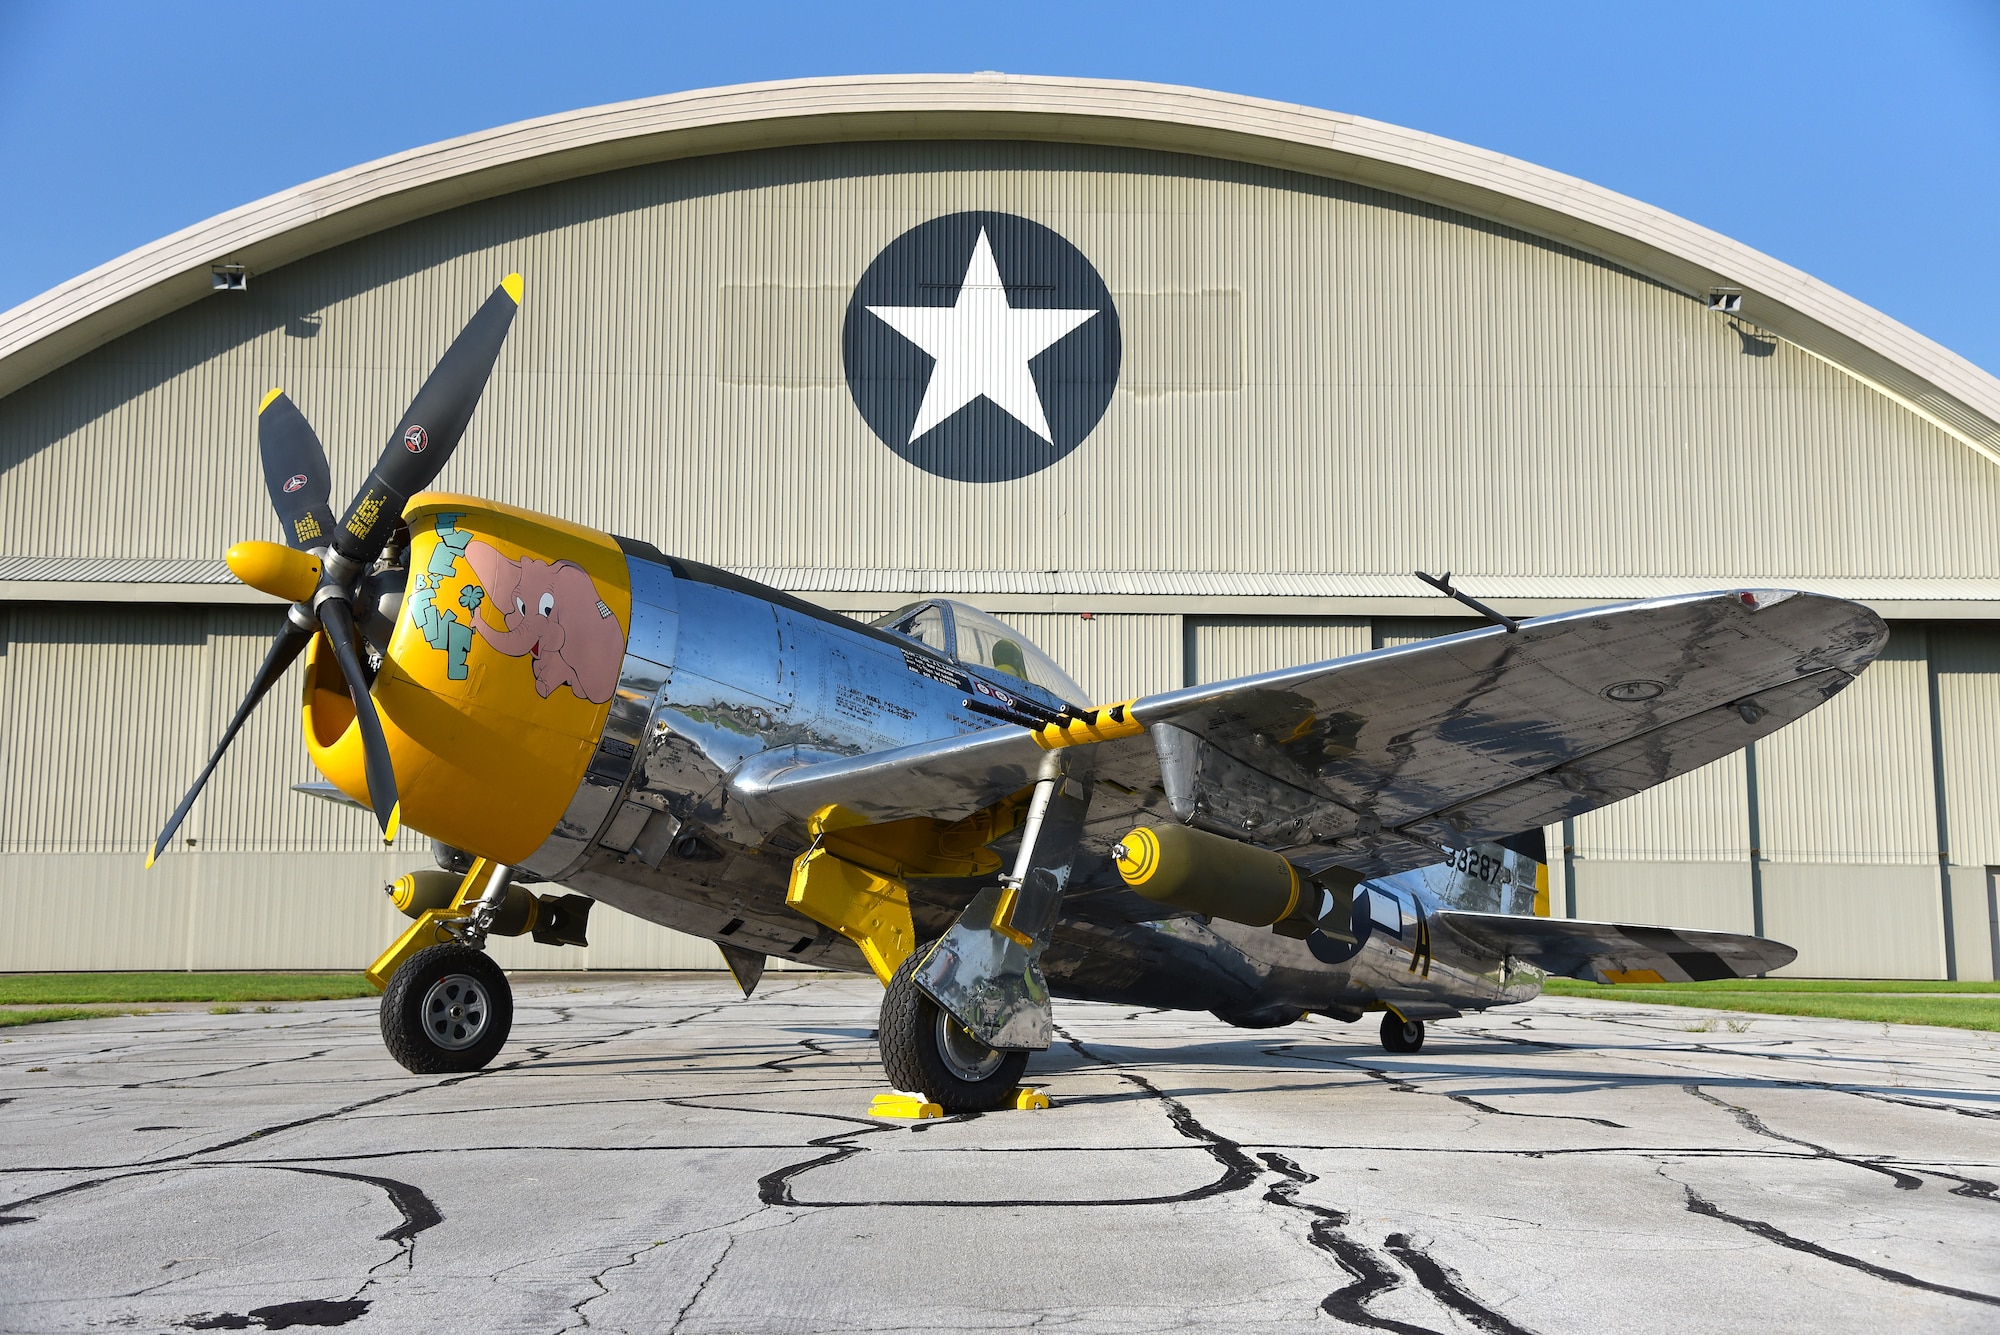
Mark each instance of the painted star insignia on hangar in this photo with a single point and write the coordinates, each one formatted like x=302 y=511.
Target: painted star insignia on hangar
x=982 y=346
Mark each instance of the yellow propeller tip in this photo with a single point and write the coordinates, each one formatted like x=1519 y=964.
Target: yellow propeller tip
x=512 y=282
x=269 y=398
x=150 y=857
x=395 y=823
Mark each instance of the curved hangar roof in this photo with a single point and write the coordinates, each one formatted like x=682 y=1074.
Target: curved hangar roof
x=63 y=323
x=1348 y=350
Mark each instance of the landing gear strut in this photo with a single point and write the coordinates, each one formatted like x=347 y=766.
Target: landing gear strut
x=447 y=1010
x=1400 y=1035
x=925 y=1050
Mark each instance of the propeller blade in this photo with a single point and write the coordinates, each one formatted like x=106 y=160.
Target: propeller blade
x=430 y=430
x=295 y=471
x=284 y=651
x=338 y=620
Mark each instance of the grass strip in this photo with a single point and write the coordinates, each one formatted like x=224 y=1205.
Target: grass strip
x=1969 y=1011
x=70 y=989
x=49 y=1014
x=1574 y=988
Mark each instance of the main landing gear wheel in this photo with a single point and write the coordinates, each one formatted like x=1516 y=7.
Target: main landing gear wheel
x=447 y=1010
x=925 y=1050
x=1400 y=1035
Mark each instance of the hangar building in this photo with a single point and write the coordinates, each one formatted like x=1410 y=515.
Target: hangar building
x=1315 y=353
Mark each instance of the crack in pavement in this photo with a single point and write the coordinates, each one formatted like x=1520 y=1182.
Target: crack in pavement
x=534 y=1055
x=812 y=1045
x=701 y=1288
x=1657 y=1053
x=227 y=1070
x=1371 y=1276
x=1700 y=1205
x=1445 y=1284
x=405 y=1197
x=418 y=1210
x=1754 y=1124
x=1403 y=1086
x=1238 y=1172
x=1975 y=1188
x=1368 y=1266
x=282 y=1316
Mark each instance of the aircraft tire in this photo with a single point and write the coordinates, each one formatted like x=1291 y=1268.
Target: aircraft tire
x=446 y=1011
x=1400 y=1035
x=925 y=1051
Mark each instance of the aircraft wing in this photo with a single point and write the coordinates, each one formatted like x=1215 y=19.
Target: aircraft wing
x=1609 y=952
x=1374 y=761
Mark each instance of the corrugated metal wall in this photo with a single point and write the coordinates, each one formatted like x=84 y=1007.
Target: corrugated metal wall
x=1219 y=648
x=109 y=712
x=1113 y=656
x=1966 y=661
x=106 y=715
x=1413 y=388
x=1319 y=379
x=1852 y=782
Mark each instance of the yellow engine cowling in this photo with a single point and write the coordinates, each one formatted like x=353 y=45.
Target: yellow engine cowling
x=498 y=679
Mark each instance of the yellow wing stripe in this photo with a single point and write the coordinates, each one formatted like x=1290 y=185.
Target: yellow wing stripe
x=1100 y=725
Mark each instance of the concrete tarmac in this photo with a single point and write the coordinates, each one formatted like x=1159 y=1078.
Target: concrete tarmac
x=655 y=1154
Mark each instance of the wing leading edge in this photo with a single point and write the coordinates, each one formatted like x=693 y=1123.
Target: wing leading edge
x=1374 y=761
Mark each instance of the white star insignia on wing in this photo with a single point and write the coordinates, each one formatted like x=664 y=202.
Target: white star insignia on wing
x=982 y=346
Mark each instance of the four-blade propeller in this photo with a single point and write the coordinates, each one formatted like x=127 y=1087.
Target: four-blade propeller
x=328 y=561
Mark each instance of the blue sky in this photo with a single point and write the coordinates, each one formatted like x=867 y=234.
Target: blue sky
x=1860 y=142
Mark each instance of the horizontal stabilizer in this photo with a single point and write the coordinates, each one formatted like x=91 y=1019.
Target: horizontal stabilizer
x=1612 y=952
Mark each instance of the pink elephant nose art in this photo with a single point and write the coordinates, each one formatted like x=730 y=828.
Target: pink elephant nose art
x=552 y=615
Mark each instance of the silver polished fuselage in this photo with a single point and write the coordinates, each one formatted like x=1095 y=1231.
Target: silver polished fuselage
x=721 y=675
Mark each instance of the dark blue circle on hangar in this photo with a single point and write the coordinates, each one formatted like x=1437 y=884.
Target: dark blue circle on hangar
x=927 y=281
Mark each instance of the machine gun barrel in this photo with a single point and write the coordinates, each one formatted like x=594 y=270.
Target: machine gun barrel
x=1004 y=714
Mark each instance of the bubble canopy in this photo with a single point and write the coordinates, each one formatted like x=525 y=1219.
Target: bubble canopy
x=986 y=643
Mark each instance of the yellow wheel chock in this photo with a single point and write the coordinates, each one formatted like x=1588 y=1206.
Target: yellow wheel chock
x=896 y=1103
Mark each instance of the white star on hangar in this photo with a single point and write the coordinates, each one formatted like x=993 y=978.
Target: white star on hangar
x=982 y=346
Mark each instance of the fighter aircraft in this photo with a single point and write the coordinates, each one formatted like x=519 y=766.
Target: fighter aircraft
x=929 y=798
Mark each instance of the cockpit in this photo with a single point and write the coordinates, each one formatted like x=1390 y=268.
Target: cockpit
x=982 y=642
